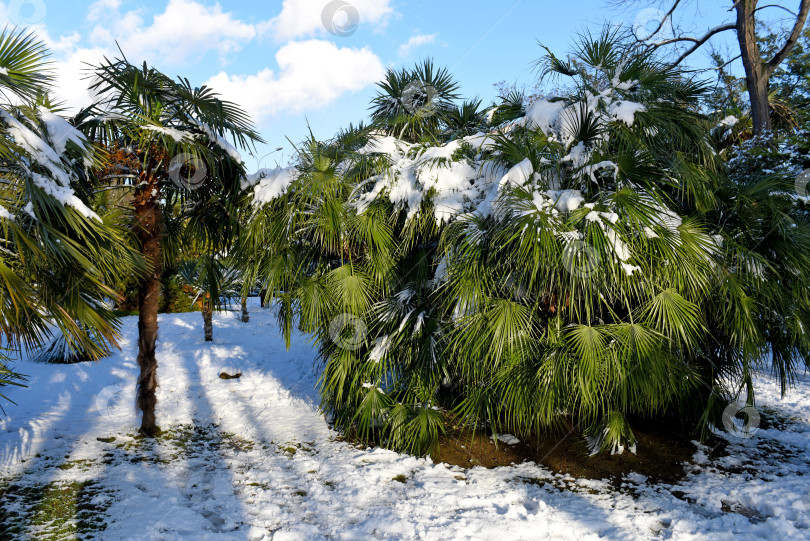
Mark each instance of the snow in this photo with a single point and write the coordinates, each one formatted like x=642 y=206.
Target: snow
x=29 y=210
x=452 y=185
x=519 y=174
x=458 y=186
x=625 y=111
x=629 y=269
x=60 y=132
x=578 y=155
x=620 y=249
x=218 y=140
x=508 y=439
x=385 y=145
x=480 y=141
x=545 y=115
x=259 y=462
x=381 y=347
x=566 y=200
x=444 y=152
x=179 y=136
x=559 y=121
x=591 y=170
x=5 y=214
x=40 y=151
x=269 y=184
x=728 y=121
x=49 y=156
x=64 y=195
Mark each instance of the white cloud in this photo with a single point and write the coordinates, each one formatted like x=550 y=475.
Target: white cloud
x=185 y=31
x=416 y=41
x=179 y=35
x=97 y=9
x=69 y=62
x=300 y=18
x=313 y=74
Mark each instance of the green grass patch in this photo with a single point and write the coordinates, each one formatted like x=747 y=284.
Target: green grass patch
x=56 y=511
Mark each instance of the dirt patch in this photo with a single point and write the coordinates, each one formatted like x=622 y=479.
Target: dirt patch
x=660 y=454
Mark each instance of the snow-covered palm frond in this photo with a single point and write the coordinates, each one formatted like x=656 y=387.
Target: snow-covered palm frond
x=58 y=254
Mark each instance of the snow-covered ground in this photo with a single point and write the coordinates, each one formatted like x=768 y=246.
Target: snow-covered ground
x=251 y=458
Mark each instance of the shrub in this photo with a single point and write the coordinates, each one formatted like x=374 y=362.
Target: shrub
x=564 y=264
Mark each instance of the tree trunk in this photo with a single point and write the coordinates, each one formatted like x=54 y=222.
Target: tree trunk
x=245 y=313
x=208 y=324
x=148 y=232
x=263 y=298
x=756 y=73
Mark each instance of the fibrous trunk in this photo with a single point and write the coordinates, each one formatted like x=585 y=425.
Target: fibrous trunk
x=148 y=231
x=245 y=314
x=208 y=324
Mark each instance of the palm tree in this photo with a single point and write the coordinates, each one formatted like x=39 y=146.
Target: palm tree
x=760 y=309
x=416 y=103
x=58 y=255
x=214 y=283
x=173 y=140
x=563 y=300
x=245 y=313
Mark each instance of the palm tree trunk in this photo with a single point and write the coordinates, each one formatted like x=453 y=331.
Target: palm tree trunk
x=245 y=314
x=208 y=324
x=263 y=298
x=148 y=231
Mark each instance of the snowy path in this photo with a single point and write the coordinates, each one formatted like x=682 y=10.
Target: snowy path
x=251 y=458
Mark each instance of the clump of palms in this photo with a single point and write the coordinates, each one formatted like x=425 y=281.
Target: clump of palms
x=579 y=301
x=545 y=265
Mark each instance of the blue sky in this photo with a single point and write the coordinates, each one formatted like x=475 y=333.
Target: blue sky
x=278 y=60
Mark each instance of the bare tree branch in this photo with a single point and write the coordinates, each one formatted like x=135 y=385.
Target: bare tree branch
x=698 y=42
x=663 y=21
x=776 y=6
x=779 y=57
x=716 y=68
